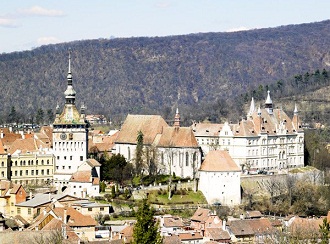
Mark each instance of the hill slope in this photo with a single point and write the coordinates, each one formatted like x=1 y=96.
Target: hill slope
x=200 y=73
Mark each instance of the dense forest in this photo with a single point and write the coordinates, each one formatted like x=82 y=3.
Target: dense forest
x=207 y=75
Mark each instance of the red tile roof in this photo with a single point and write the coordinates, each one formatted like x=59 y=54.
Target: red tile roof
x=219 y=161
x=186 y=236
x=75 y=218
x=201 y=214
x=82 y=176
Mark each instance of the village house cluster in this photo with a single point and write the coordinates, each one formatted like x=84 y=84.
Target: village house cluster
x=208 y=154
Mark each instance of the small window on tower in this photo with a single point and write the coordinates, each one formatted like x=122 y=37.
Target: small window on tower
x=70 y=136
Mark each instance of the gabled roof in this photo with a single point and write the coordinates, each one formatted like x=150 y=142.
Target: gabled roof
x=201 y=215
x=177 y=137
x=57 y=224
x=173 y=239
x=248 y=227
x=74 y=217
x=173 y=222
x=186 y=236
x=206 y=129
x=149 y=125
x=93 y=162
x=27 y=145
x=82 y=176
x=217 y=234
x=41 y=199
x=219 y=161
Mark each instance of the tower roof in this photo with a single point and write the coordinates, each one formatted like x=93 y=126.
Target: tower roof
x=268 y=100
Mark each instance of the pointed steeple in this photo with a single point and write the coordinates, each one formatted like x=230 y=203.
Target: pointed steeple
x=177 y=119
x=259 y=111
x=252 y=107
x=295 y=111
x=70 y=93
x=269 y=103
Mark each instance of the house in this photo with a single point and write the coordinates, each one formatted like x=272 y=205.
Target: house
x=85 y=181
x=191 y=237
x=92 y=208
x=204 y=218
x=304 y=228
x=32 y=162
x=170 y=225
x=268 y=139
x=127 y=234
x=218 y=235
x=251 y=230
x=83 y=226
x=10 y=195
x=36 y=205
x=219 y=169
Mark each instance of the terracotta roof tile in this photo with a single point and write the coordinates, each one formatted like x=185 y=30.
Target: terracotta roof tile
x=219 y=161
x=201 y=214
x=173 y=222
x=217 y=234
x=74 y=217
x=206 y=129
x=177 y=137
x=81 y=176
x=186 y=236
x=150 y=125
x=173 y=239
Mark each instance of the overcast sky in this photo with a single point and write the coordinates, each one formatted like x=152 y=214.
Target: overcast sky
x=26 y=24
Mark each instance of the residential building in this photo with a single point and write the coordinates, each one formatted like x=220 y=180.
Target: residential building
x=268 y=139
x=32 y=162
x=204 y=218
x=219 y=169
x=10 y=195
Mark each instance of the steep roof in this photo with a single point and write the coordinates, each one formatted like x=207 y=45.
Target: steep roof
x=201 y=215
x=81 y=176
x=206 y=129
x=219 y=161
x=74 y=217
x=218 y=234
x=177 y=137
x=2 y=149
x=149 y=125
x=173 y=222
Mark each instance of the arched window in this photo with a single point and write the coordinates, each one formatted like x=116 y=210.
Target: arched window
x=187 y=159
x=128 y=154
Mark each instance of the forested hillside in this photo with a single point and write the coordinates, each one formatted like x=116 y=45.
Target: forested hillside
x=205 y=75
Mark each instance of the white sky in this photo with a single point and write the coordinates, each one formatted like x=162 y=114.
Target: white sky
x=25 y=24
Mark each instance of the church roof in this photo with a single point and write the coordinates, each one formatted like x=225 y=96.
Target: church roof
x=177 y=137
x=219 y=161
x=149 y=125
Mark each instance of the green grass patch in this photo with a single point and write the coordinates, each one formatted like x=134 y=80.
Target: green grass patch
x=190 y=197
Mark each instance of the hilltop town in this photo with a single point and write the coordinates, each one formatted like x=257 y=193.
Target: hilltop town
x=57 y=182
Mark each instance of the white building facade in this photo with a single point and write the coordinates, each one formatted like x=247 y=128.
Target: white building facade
x=267 y=140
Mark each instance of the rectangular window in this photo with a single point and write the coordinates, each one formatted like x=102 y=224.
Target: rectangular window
x=90 y=209
x=42 y=172
x=37 y=171
x=81 y=158
x=64 y=157
x=29 y=211
x=15 y=172
x=47 y=171
x=101 y=209
x=70 y=157
x=32 y=172
x=58 y=157
x=21 y=172
x=26 y=172
x=18 y=210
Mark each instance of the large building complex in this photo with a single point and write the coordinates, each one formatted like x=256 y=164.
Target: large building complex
x=268 y=139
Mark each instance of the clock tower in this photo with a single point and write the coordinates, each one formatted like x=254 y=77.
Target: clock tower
x=70 y=136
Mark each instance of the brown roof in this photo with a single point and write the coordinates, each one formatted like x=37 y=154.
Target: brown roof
x=206 y=129
x=219 y=161
x=247 y=227
x=253 y=214
x=177 y=137
x=190 y=236
x=305 y=226
x=82 y=176
x=4 y=187
x=93 y=162
x=201 y=214
x=150 y=125
x=173 y=239
x=127 y=233
x=27 y=145
x=173 y=222
x=75 y=218
x=2 y=149
x=56 y=224
x=217 y=234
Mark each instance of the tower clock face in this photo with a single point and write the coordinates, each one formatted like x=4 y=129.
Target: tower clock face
x=63 y=136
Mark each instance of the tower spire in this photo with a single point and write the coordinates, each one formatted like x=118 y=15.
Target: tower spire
x=252 y=107
x=70 y=93
x=269 y=103
x=177 y=119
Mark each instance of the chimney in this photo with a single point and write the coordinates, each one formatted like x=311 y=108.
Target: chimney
x=1 y=134
x=30 y=195
x=224 y=224
x=65 y=216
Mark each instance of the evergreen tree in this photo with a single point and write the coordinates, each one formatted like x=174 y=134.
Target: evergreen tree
x=50 y=116
x=40 y=116
x=12 y=116
x=139 y=153
x=146 y=228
